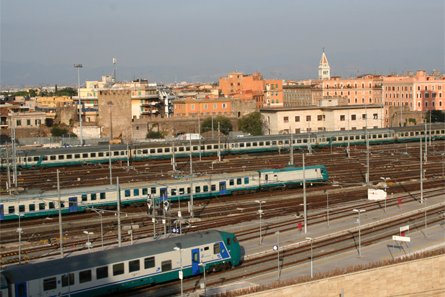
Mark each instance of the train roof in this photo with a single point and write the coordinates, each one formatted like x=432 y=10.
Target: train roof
x=22 y=273
x=289 y=168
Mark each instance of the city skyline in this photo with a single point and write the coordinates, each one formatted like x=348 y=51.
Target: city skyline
x=202 y=41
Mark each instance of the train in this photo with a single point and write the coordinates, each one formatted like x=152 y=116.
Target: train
x=173 y=189
x=52 y=157
x=118 y=270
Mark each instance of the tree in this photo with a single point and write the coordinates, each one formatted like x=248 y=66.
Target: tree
x=57 y=131
x=251 y=123
x=70 y=92
x=225 y=124
x=154 y=135
x=436 y=116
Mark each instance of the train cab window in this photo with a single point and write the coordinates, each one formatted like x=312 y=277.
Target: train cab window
x=133 y=266
x=205 y=188
x=100 y=154
x=238 y=181
x=93 y=155
x=127 y=193
x=49 y=284
x=166 y=265
x=32 y=207
x=206 y=248
x=118 y=269
x=11 y=209
x=144 y=191
x=51 y=205
x=153 y=190
x=102 y=272
x=22 y=208
x=136 y=192
x=102 y=196
x=149 y=262
x=181 y=191
x=67 y=279
x=61 y=157
x=231 y=182
x=228 y=241
x=213 y=188
x=197 y=189
x=84 y=276
x=216 y=248
x=159 y=150
x=52 y=158
x=84 y=197
x=93 y=196
x=42 y=206
x=246 y=180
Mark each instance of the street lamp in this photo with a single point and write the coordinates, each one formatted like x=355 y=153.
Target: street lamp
x=20 y=231
x=359 y=211
x=260 y=212
x=203 y=265
x=277 y=249
x=180 y=272
x=78 y=66
x=88 y=244
x=385 y=179
x=100 y=212
x=304 y=197
x=312 y=265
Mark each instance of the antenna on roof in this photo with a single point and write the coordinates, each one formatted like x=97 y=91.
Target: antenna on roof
x=114 y=70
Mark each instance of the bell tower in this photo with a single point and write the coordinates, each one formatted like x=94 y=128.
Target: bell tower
x=324 y=71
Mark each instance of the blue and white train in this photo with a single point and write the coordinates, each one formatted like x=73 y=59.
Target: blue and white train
x=78 y=199
x=120 y=269
x=47 y=157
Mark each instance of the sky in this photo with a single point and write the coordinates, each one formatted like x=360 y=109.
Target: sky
x=201 y=40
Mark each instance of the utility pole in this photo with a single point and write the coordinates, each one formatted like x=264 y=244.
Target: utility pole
x=304 y=197
x=60 y=215
x=109 y=164
x=14 y=157
x=421 y=173
x=119 y=233
x=219 y=141
x=291 y=162
x=191 y=179
x=426 y=142
x=78 y=66
x=367 y=157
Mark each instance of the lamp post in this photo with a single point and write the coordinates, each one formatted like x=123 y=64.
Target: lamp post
x=385 y=179
x=312 y=265
x=78 y=66
x=359 y=211
x=304 y=197
x=60 y=214
x=203 y=265
x=20 y=231
x=327 y=206
x=88 y=244
x=180 y=272
x=277 y=249
x=260 y=212
x=100 y=212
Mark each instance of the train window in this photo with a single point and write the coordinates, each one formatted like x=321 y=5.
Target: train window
x=136 y=192
x=261 y=143
x=195 y=148
x=100 y=154
x=69 y=156
x=52 y=158
x=231 y=182
x=213 y=188
x=238 y=181
x=102 y=195
x=84 y=197
x=181 y=149
x=152 y=151
x=228 y=241
x=205 y=188
x=145 y=152
x=84 y=276
x=49 y=284
x=118 y=269
x=93 y=155
x=127 y=193
x=51 y=205
x=187 y=148
x=93 y=196
x=21 y=208
x=153 y=190
x=67 y=279
x=32 y=207
x=62 y=204
x=11 y=209
x=76 y=156
x=42 y=206
x=45 y=158
x=167 y=150
x=116 y=153
x=123 y=153
x=246 y=180
x=85 y=155
x=173 y=192
x=61 y=157
x=144 y=191
x=36 y=158
x=268 y=143
x=241 y=145
x=197 y=189
x=195 y=257
x=133 y=266
x=248 y=144
x=166 y=265
x=159 y=150
x=149 y=262
x=188 y=190
x=181 y=191
x=254 y=144
x=202 y=148
x=102 y=272
x=216 y=248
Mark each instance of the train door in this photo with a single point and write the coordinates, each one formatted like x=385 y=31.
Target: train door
x=72 y=202
x=163 y=194
x=20 y=290
x=2 y=212
x=222 y=187
x=195 y=261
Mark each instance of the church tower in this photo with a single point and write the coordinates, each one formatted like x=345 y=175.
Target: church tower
x=324 y=71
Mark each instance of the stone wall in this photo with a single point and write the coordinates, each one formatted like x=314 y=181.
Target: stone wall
x=423 y=277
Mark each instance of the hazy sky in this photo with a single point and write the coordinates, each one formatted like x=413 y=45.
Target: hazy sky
x=200 y=40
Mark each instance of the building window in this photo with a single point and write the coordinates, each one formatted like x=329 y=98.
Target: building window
x=364 y=116
x=320 y=117
x=308 y=118
x=353 y=117
x=192 y=106
x=297 y=118
x=375 y=116
x=286 y=119
x=205 y=106
x=28 y=122
x=19 y=122
x=342 y=117
x=224 y=105
x=297 y=131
